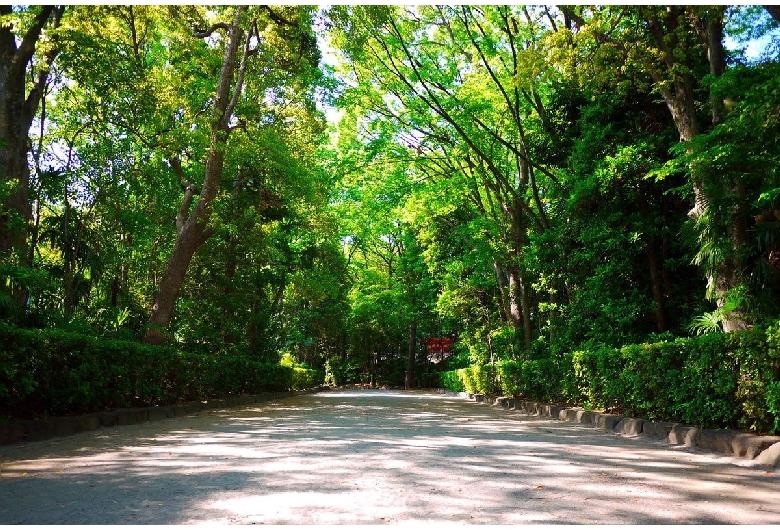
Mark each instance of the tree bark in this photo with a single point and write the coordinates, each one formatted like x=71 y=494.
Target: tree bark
x=17 y=111
x=503 y=288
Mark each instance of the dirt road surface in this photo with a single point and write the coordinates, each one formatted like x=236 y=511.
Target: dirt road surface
x=375 y=457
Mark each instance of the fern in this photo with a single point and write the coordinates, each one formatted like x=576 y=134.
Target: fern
x=707 y=323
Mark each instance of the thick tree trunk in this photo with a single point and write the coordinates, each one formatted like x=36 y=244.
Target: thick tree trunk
x=17 y=110
x=192 y=236
x=412 y=357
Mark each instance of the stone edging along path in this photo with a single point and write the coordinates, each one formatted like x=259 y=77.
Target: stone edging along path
x=37 y=430
x=764 y=450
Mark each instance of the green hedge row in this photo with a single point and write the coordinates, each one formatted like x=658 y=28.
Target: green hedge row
x=307 y=377
x=51 y=372
x=713 y=381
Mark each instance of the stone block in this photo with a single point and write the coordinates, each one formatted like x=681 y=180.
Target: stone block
x=747 y=445
x=692 y=437
x=534 y=408
x=679 y=433
x=552 y=411
x=88 y=422
x=215 y=404
x=107 y=418
x=37 y=430
x=587 y=417
x=607 y=421
x=479 y=398
x=628 y=426
x=159 y=413
x=658 y=430
x=131 y=416
x=11 y=433
x=769 y=456
x=63 y=426
x=246 y=400
x=568 y=415
x=719 y=440
x=183 y=409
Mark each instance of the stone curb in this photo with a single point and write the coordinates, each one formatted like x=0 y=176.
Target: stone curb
x=38 y=430
x=764 y=450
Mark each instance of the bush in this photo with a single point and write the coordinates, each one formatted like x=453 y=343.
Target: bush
x=467 y=380
x=451 y=381
x=773 y=404
x=478 y=379
x=307 y=378
x=343 y=372
x=53 y=372
x=716 y=380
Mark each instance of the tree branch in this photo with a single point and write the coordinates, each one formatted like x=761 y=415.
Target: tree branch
x=276 y=17
x=27 y=48
x=36 y=93
x=214 y=27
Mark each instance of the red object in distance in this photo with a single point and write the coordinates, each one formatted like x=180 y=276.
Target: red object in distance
x=439 y=344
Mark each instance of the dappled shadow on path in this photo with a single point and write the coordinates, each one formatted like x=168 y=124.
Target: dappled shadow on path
x=376 y=456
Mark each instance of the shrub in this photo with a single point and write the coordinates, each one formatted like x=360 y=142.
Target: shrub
x=479 y=379
x=510 y=377
x=54 y=372
x=715 y=380
x=773 y=404
x=307 y=378
x=451 y=381
x=343 y=372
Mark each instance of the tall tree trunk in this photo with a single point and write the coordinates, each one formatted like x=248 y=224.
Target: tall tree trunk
x=503 y=288
x=679 y=98
x=18 y=107
x=652 y=262
x=196 y=230
x=520 y=307
x=409 y=382
x=518 y=292
x=655 y=282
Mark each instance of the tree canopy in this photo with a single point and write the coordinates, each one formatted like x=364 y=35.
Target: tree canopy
x=522 y=180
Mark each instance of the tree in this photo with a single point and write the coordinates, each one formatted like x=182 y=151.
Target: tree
x=466 y=104
x=28 y=47
x=193 y=226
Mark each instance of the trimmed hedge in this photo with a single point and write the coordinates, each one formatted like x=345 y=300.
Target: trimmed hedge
x=307 y=378
x=51 y=372
x=713 y=381
x=451 y=381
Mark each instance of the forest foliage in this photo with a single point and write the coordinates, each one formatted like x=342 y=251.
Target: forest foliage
x=530 y=181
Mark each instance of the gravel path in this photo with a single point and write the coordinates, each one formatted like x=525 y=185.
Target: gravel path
x=366 y=457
